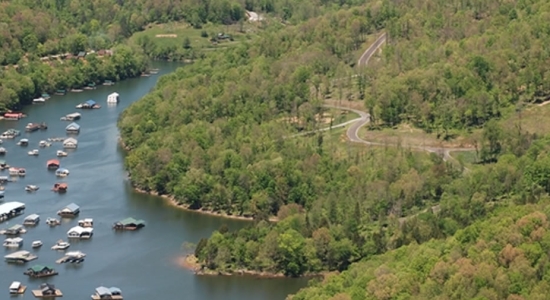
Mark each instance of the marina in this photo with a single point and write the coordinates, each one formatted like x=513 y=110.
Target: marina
x=100 y=187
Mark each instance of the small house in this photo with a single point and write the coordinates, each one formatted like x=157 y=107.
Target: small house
x=52 y=164
x=129 y=224
x=31 y=220
x=72 y=128
x=70 y=210
x=113 y=98
x=78 y=232
x=38 y=271
x=47 y=290
x=70 y=143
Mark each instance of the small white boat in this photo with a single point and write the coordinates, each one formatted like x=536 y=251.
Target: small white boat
x=33 y=152
x=62 y=172
x=31 y=188
x=17 y=171
x=53 y=222
x=3 y=151
x=13 y=242
x=61 y=153
x=37 y=244
x=43 y=144
x=39 y=100
x=23 y=142
x=61 y=245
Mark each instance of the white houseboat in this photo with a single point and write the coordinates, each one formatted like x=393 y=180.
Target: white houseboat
x=61 y=245
x=33 y=152
x=22 y=256
x=17 y=171
x=70 y=210
x=53 y=222
x=112 y=293
x=11 y=209
x=78 y=232
x=37 y=244
x=62 y=172
x=16 y=288
x=61 y=153
x=16 y=229
x=71 y=117
x=86 y=223
x=15 y=242
x=72 y=257
x=39 y=100
x=31 y=188
x=23 y=142
x=31 y=220
x=44 y=144
x=70 y=143
x=113 y=98
x=73 y=128
x=3 y=151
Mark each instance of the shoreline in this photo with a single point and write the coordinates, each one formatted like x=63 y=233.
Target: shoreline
x=171 y=201
x=190 y=262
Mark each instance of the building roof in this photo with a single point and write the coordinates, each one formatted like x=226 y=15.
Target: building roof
x=62 y=170
x=16 y=227
x=18 y=254
x=114 y=94
x=73 y=114
x=53 y=162
x=32 y=217
x=103 y=291
x=40 y=268
x=70 y=140
x=90 y=102
x=72 y=207
x=15 y=239
x=80 y=230
x=129 y=221
x=115 y=290
x=9 y=206
x=73 y=126
x=15 y=285
x=47 y=285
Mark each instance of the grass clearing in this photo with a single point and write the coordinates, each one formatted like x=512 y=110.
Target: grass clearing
x=174 y=33
x=533 y=119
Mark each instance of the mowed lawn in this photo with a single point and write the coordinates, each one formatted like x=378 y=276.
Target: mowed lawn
x=174 y=34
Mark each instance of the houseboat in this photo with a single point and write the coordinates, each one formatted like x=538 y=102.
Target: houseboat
x=90 y=104
x=70 y=210
x=15 y=242
x=113 y=98
x=61 y=92
x=38 y=271
x=36 y=244
x=129 y=224
x=61 y=245
x=23 y=142
x=60 y=187
x=19 y=257
x=70 y=143
x=47 y=290
x=45 y=96
x=53 y=222
x=31 y=188
x=108 y=82
x=14 y=230
x=10 y=134
x=9 y=210
x=62 y=172
x=13 y=116
x=31 y=220
x=33 y=152
x=38 y=100
x=77 y=90
x=61 y=153
x=16 y=288
x=3 y=151
x=72 y=257
x=78 y=232
x=3 y=165
x=17 y=171
x=72 y=128
x=31 y=127
x=44 y=144
x=88 y=222
x=2 y=194
x=71 y=117
x=111 y=293
x=52 y=164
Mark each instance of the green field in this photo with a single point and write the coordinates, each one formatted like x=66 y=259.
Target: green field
x=174 y=35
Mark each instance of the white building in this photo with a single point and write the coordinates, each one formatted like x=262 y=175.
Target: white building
x=113 y=98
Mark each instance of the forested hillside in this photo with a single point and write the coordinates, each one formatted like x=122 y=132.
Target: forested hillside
x=215 y=136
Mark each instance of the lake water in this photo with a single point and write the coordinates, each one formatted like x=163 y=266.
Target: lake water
x=142 y=263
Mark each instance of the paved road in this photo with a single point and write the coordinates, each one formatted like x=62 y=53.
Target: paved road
x=365 y=57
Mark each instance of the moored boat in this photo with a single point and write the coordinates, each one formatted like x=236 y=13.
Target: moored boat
x=32 y=127
x=62 y=172
x=90 y=104
x=15 y=242
x=61 y=245
x=33 y=152
x=16 y=288
x=71 y=210
x=31 y=220
x=78 y=232
x=31 y=188
x=72 y=257
x=47 y=290
x=17 y=171
x=38 y=271
x=43 y=144
x=3 y=151
x=61 y=153
x=85 y=223
x=52 y=164
x=129 y=224
x=112 y=293
x=36 y=244
x=60 y=187
x=53 y=222
x=23 y=142
x=113 y=98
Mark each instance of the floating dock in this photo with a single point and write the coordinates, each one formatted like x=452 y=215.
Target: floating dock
x=38 y=294
x=20 y=257
x=72 y=257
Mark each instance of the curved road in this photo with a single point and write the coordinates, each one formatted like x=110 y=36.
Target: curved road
x=364 y=117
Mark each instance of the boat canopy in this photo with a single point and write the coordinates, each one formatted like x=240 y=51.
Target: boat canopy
x=80 y=230
x=2 y=162
x=72 y=207
x=90 y=102
x=62 y=170
x=70 y=141
x=32 y=217
x=103 y=291
x=53 y=162
x=131 y=221
x=24 y=141
x=115 y=290
x=7 y=207
x=40 y=268
x=15 y=285
x=73 y=126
